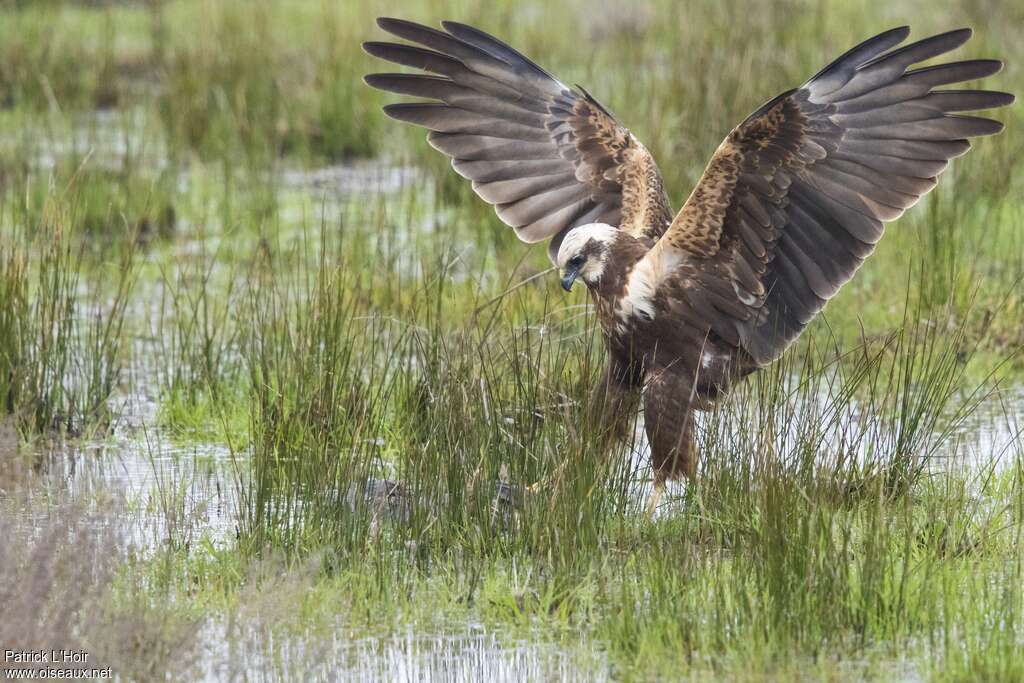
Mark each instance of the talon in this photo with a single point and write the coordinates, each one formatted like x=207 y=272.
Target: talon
x=654 y=499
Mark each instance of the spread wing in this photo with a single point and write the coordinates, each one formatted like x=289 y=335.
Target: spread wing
x=795 y=198
x=547 y=157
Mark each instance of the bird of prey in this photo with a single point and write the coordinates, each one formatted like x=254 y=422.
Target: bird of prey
x=789 y=206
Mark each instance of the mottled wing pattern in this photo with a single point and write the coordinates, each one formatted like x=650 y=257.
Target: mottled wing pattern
x=547 y=157
x=795 y=198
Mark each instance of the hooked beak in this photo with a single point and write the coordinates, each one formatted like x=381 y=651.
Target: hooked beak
x=569 y=277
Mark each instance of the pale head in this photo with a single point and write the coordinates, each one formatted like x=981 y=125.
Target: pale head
x=584 y=252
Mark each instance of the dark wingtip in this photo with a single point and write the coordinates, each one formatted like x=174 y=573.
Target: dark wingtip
x=990 y=67
x=378 y=49
x=959 y=35
x=455 y=28
x=404 y=111
x=995 y=127
x=897 y=35
x=951 y=40
x=448 y=24
x=903 y=32
x=394 y=25
x=997 y=98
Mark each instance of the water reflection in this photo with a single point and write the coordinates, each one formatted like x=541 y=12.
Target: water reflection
x=467 y=656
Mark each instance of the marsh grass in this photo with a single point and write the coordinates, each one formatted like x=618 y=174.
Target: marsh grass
x=63 y=352
x=197 y=337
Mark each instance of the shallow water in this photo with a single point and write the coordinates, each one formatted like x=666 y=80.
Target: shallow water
x=462 y=655
x=159 y=493
x=177 y=491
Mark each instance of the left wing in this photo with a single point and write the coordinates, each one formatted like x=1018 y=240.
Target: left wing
x=795 y=198
x=547 y=157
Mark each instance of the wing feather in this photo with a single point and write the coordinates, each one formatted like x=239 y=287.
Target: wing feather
x=548 y=157
x=798 y=194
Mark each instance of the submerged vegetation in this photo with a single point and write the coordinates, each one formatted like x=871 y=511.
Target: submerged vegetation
x=348 y=400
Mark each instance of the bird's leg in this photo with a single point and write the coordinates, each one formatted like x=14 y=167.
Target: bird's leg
x=673 y=456
x=668 y=419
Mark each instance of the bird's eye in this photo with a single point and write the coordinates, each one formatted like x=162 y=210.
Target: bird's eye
x=576 y=261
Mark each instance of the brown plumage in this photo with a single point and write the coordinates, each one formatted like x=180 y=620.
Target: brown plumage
x=790 y=205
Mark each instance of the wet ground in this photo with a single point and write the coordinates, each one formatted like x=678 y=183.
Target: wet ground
x=175 y=492
x=157 y=493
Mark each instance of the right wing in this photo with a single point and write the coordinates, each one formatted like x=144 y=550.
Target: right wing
x=548 y=158
x=796 y=196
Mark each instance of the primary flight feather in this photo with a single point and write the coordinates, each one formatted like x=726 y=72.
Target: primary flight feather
x=790 y=205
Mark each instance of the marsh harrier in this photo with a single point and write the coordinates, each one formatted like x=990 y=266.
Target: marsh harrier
x=790 y=205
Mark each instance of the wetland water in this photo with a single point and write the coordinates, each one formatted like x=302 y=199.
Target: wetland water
x=157 y=492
